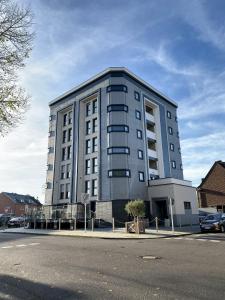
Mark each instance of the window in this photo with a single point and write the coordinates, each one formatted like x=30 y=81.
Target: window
x=69 y=153
x=118 y=150
x=88 y=166
x=88 y=127
x=94 y=125
x=62 y=189
x=178 y=134
x=170 y=130
x=67 y=191
x=152 y=164
x=149 y=110
x=87 y=187
x=52 y=117
x=51 y=133
x=187 y=205
x=94 y=144
x=70 y=135
x=94 y=187
x=117 y=128
x=64 y=136
x=169 y=116
x=150 y=126
x=88 y=109
x=48 y=185
x=51 y=150
x=139 y=134
x=68 y=171
x=88 y=146
x=62 y=172
x=116 y=88
x=140 y=154
x=94 y=106
x=181 y=167
x=119 y=173
x=136 y=96
x=70 y=117
x=63 y=153
x=94 y=165
x=138 y=114
x=141 y=176
x=179 y=150
x=173 y=164
x=176 y=119
x=152 y=144
x=50 y=167
x=65 y=120
x=171 y=147
x=117 y=107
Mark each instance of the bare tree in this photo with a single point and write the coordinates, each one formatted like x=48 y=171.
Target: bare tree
x=15 y=45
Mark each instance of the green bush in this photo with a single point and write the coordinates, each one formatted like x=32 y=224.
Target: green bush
x=135 y=208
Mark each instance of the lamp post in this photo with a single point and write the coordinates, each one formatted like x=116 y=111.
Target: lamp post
x=171 y=213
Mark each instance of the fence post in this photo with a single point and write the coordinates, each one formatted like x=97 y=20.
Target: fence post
x=92 y=224
x=113 y=224
x=180 y=221
x=46 y=224
x=59 y=223
x=34 y=223
x=138 y=228
x=157 y=224
x=75 y=224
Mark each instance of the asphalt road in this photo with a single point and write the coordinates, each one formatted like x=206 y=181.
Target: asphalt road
x=47 y=267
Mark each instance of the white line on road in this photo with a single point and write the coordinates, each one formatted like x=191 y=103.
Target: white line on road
x=178 y=238
x=34 y=244
x=189 y=239
x=22 y=245
x=201 y=240
x=6 y=247
x=214 y=241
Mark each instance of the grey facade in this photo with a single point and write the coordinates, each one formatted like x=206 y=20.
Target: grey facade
x=108 y=138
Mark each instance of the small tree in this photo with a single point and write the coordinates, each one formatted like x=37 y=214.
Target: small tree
x=135 y=208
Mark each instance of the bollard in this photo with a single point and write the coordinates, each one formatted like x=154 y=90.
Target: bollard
x=92 y=224
x=156 y=224
x=59 y=223
x=75 y=224
x=138 y=229
x=34 y=223
x=46 y=224
x=113 y=224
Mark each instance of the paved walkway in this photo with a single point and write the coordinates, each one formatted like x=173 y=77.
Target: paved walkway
x=107 y=233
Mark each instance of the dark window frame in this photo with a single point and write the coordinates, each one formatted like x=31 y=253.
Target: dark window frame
x=119 y=176
x=110 y=128
x=170 y=130
x=173 y=164
x=112 y=107
x=95 y=106
x=141 y=136
x=94 y=188
x=172 y=147
x=137 y=96
x=109 y=152
x=142 y=154
x=143 y=174
x=116 y=88
x=169 y=114
x=137 y=114
x=88 y=127
x=187 y=205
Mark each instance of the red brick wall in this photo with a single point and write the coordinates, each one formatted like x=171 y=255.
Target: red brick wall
x=216 y=180
x=16 y=209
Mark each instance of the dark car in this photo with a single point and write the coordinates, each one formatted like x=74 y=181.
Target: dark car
x=4 y=218
x=16 y=222
x=213 y=222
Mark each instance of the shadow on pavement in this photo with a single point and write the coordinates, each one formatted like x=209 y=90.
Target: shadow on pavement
x=20 y=288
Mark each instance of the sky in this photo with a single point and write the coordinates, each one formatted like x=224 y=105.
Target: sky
x=176 y=46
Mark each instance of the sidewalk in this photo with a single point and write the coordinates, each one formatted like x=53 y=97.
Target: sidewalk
x=107 y=233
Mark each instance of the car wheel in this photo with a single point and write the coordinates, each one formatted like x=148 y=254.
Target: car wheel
x=222 y=228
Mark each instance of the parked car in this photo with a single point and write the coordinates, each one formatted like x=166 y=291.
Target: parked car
x=16 y=222
x=4 y=218
x=213 y=222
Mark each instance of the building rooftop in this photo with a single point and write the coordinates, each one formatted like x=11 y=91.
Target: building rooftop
x=108 y=71
x=18 y=199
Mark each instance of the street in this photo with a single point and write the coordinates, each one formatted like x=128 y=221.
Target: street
x=47 y=267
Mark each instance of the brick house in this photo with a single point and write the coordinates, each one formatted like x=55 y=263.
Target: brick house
x=16 y=204
x=211 y=191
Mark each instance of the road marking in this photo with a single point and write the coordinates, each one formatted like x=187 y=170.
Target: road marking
x=6 y=247
x=201 y=240
x=34 y=244
x=22 y=245
x=178 y=238
x=168 y=238
x=189 y=239
x=214 y=241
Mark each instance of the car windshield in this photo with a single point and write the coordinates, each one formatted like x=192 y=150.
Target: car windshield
x=213 y=217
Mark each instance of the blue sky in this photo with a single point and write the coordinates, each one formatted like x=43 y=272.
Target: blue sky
x=176 y=46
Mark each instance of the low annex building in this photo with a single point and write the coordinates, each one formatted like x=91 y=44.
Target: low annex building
x=115 y=138
x=211 y=191
x=16 y=204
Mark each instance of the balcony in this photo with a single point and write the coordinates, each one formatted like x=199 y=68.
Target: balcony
x=151 y=135
x=149 y=117
x=152 y=153
x=153 y=172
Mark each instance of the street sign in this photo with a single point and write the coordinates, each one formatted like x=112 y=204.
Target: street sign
x=85 y=198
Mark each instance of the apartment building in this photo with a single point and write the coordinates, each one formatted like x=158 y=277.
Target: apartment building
x=109 y=139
